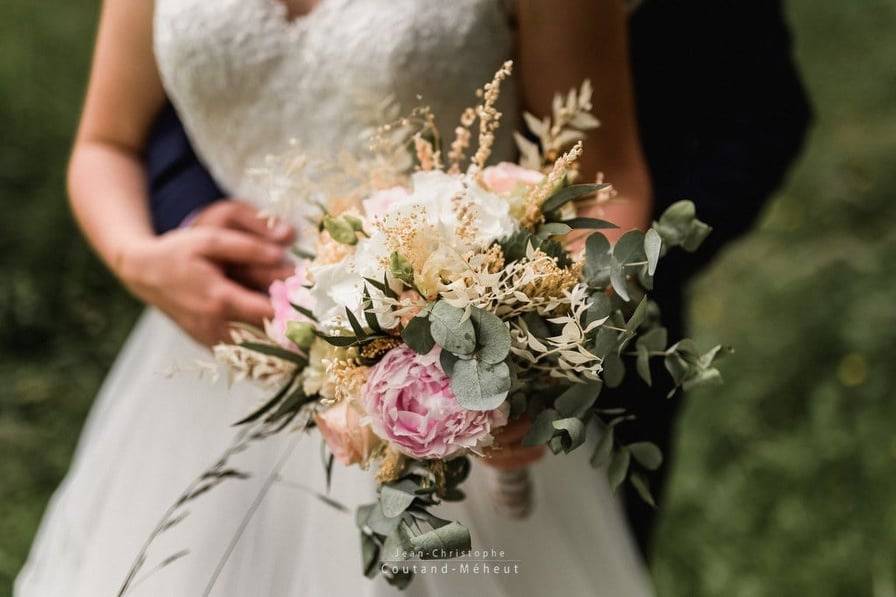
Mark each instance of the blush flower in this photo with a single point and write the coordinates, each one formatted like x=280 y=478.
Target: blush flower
x=380 y=202
x=410 y=403
x=504 y=178
x=284 y=294
x=349 y=440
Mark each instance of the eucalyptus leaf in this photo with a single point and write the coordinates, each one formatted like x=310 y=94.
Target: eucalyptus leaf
x=642 y=364
x=370 y=555
x=639 y=482
x=653 y=243
x=646 y=454
x=614 y=370
x=654 y=340
x=618 y=468
x=452 y=329
x=394 y=501
x=447 y=361
x=492 y=336
x=630 y=247
x=605 y=342
x=604 y=449
x=416 y=334
x=542 y=429
x=549 y=229
x=618 y=281
x=637 y=317
x=479 y=385
x=573 y=432
x=452 y=537
x=577 y=399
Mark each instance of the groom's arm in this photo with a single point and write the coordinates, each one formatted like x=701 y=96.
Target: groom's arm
x=179 y=185
x=722 y=110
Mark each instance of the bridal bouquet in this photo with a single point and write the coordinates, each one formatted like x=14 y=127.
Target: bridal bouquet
x=440 y=301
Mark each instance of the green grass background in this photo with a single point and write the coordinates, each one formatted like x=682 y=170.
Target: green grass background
x=785 y=480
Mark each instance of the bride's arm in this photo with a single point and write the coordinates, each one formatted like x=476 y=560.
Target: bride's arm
x=564 y=42
x=106 y=182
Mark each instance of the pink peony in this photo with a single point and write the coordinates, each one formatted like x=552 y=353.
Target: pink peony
x=504 y=177
x=409 y=401
x=348 y=440
x=283 y=292
x=379 y=203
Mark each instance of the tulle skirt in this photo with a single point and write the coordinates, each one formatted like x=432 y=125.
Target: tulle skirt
x=156 y=424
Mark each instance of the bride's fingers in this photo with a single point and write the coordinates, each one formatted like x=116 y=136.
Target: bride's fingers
x=239 y=247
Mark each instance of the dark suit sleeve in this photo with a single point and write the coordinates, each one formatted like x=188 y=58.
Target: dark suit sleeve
x=178 y=182
x=722 y=110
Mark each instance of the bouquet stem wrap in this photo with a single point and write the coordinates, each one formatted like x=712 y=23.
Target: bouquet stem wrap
x=511 y=492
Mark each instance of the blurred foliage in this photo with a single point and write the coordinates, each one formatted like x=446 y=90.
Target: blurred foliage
x=782 y=484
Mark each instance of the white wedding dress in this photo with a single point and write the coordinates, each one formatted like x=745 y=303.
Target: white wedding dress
x=246 y=80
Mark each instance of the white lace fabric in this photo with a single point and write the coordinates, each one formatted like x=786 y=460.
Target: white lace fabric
x=245 y=79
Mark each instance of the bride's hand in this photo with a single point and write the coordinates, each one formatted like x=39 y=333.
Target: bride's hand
x=507 y=453
x=243 y=217
x=180 y=273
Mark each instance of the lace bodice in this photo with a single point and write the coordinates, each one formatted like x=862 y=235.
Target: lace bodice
x=245 y=80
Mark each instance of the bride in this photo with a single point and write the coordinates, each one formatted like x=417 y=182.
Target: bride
x=246 y=77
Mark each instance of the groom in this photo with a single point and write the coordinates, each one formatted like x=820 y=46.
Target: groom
x=722 y=116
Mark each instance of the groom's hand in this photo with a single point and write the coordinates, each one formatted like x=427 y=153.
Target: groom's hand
x=242 y=217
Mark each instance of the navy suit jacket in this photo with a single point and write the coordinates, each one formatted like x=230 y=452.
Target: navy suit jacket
x=722 y=116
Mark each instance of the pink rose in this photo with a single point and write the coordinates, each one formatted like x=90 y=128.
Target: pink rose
x=409 y=401
x=504 y=177
x=379 y=204
x=292 y=290
x=348 y=440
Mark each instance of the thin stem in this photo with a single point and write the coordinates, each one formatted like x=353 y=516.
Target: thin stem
x=256 y=503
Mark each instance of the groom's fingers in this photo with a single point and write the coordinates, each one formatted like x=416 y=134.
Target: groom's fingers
x=245 y=306
x=239 y=247
x=239 y=215
x=260 y=277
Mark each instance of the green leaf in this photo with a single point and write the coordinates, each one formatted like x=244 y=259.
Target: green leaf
x=618 y=468
x=492 y=336
x=369 y=315
x=703 y=377
x=573 y=433
x=549 y=229
x=447 y=361
x=416 y=334
x=577 y=399
x=275 y=351
x=614 y=370
x=589 y=223
x=341 y=341
x=630 y=247
x=267 y=406
x=480 y=386
x=647 y=455
x=642 y=364
x=382 y=287
x=355 y=324
x=537 y=325
x=604 y=449
x=452 y=537
x=370 y=555
x=401 y=268
x=654 y=339
x=698 y=233
x=304 y=311
x=618 y=281
x=570 y=193
x=605 y=342
x=394 y=501
x=451 y=329
x=652 y=245
x=542 y=429
x=639 y=482
x=601 y=306
x=637 y=317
